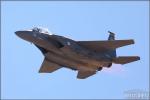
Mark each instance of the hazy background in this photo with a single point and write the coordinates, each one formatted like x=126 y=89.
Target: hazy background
x=20 y=61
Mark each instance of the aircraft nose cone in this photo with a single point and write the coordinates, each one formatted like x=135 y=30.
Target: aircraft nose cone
x=18 y=33
x=22 y=34
x=26 y=35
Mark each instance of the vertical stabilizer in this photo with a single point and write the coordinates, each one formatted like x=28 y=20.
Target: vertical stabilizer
x=111 y=37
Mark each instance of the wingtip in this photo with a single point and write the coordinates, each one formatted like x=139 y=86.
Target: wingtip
x=132 y=41
x=138 y=58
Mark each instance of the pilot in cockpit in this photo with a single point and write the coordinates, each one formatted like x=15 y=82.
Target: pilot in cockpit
x=41 y=30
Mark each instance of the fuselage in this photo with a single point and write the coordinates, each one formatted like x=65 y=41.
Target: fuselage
x=66 y=52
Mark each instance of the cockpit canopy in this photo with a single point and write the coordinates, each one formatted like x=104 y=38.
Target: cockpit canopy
x=41 y=30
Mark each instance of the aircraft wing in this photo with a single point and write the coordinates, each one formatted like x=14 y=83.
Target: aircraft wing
x=82 y=74
x=101 y=46
x=48 y=67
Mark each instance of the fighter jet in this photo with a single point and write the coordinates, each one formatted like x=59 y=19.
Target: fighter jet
x=86 y=57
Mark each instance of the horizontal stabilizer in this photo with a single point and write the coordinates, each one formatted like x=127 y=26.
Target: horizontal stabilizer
x=48 y=67
x=105 y=45
x=125 y=59
x=84 y=74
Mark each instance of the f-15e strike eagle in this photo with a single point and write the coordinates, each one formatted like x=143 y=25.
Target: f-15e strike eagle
x=87 y=57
